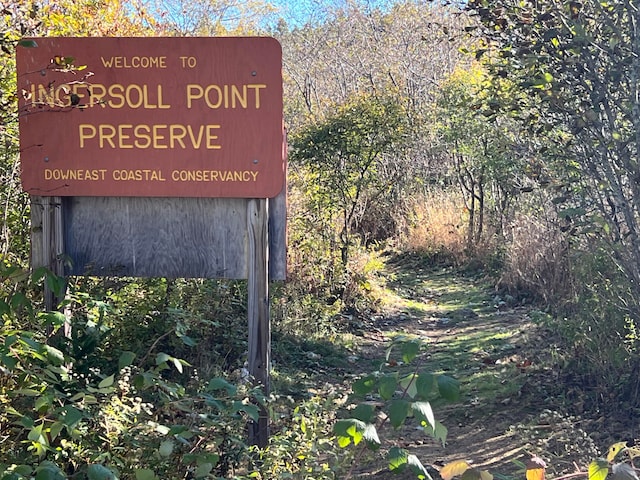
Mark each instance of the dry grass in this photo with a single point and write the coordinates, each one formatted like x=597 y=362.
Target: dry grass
x=536 y=260
x=436 y=227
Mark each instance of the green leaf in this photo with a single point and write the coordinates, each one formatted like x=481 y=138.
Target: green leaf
x=55 y=319
x=49 y=471
x=218 y=383
x=145 y=474
x=408 y=384
x=424 y=385
x=364 y=385
x=448 y=387
x=416 y=467
x=126 y=359
x=71 y=416
x=424 y=412
x=162 y=358
x=107 y=382
x=397 y=458
x=598 y=469
x=203 y=470
x=188 y=341
x=349 y=430
x=398 y=412
x=251 y=410
x=55 y=356
x=410 y=350
x=100 y=472
x=387 y=386
x=166 y=448
x=35 y=435
x=439 y=432
x=4 y=307
x=363 y=412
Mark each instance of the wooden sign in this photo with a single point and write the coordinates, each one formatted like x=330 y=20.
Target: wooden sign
x=151 y=117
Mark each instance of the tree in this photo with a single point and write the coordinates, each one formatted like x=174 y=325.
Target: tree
x=481 y=145
x=580 y=63
x=344 y=155
x=209 y=17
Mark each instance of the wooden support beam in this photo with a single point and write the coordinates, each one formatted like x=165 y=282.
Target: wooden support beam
x=258 y=311
x=50 y=253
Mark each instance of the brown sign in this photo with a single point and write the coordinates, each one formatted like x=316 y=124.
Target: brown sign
x=151 y=117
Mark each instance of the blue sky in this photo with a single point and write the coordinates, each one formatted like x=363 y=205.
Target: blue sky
x=298 y=12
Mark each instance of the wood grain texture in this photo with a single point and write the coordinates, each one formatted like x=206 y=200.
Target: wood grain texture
x=258 y=311
x=156 y=237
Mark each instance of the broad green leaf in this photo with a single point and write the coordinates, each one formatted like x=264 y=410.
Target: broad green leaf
x=453 y=469
x=408 y=384
x=203 y=470
x=100 y=472
x=43 y=402
x=364 y=412
x=4 y=307
x=424 y=412
x=49 y=471
x=398 y=412
x=218 y=383
x=416 y=467
x=387 y=386
x=365 y=385
x=439 y=432
x=126 y=359
x=425 y=384
x=166 y=448
x=397 y=458
x=410 y=350
x=349 y=430
x=107 y=382
x=55 y=430
x=35 y=434
x=56 y=319
x=251 y=410
x=145 y=474
x=448 y=387
x=188 y=341
x=55 y=356
x=162 y=358
x=598 y=469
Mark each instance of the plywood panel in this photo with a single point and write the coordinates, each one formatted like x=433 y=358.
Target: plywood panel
x=156 y=237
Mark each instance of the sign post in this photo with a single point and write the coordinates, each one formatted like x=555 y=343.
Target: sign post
x=159 y=157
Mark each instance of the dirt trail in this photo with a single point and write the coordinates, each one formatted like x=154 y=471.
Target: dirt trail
x=511 y=404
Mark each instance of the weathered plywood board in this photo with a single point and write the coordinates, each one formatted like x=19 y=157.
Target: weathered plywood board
x=161 y=237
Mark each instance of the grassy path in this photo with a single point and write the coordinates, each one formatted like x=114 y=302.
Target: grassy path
x=511 y=403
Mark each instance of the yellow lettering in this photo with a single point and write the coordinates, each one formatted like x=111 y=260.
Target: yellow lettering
x=211 y=137
x=176 y=135
x=142 y=132
x=157 y=137
x=122 y=136
x=86 y=132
